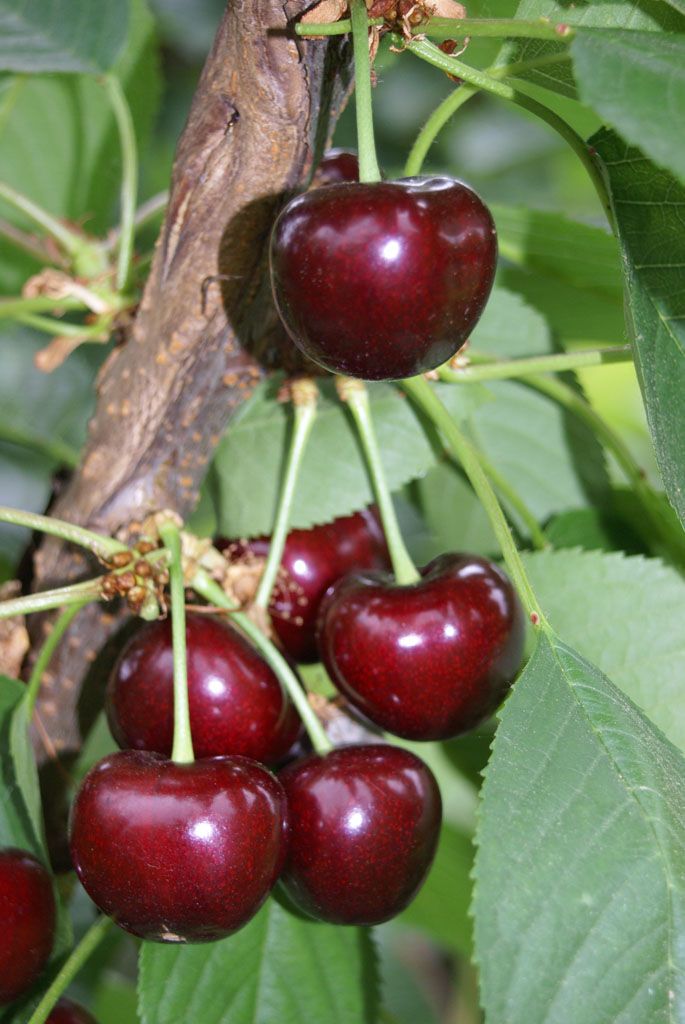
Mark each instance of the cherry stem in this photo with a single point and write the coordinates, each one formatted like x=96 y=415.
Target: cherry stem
x=482 y=80
x=514 y=499
x=60 y=328
x=434 y=125
x=101 y=546
x=355 y=395
x=182 y=750
x=146 y=212
x=129 y=177
x=59 y=628
x=72 y=243
x=458 y=28
x=304 y=396
x=29 y=243
x=421 y=393
x=368 y=162
x=53 y=447
x=208 y=588
x=46 y=600
x=504 y=369
x=13 y=307
x=70 y=969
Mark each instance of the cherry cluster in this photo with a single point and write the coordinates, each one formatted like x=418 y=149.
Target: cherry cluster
x=378 y=281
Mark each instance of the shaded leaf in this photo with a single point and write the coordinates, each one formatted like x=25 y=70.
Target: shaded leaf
x=16 y=825
x=631 y=628
x=649 y=206
x=63 y=35
x=279 y=967
x=636 y=82
x=580 y=865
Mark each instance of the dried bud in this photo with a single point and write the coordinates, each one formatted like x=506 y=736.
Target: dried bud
x=142 y=568
x=126 y=581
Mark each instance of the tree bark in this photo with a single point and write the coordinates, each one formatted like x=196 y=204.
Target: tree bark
x=263 y=109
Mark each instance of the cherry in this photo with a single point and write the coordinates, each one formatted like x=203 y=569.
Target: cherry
x=67 y=1012
x=178 y=852
x=237 y=705
x=364 y=825
x=383 y=280
x=429 y=660
x=28 y=912
x=312 y=561
x=337 y=165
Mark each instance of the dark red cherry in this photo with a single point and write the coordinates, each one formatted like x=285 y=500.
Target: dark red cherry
x=27 y=912
x=364 y=825
x=429 y=660
x=312 y=561
x=383 y=280
x=337 y=165
x=237 y=705
x=178 y=852
x=66 y=1012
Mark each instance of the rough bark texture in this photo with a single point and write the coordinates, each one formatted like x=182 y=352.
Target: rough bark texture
x=264 y=106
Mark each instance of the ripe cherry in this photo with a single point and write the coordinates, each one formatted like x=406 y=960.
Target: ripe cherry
x=312 y=561
x=337 y=165
x=383 y=280
x=429 y=660
x=364 y=825
x=237 y=705
x=67 y=1012
x=178 y=852
x=27 y=910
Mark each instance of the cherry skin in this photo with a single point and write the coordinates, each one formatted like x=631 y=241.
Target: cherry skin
x=383 y=280
x=337 y=165
x=67 y=1012
x=429 y=660
x=237 y=705
x=364 y=826
x=178 y=852
x=27 y=911
x=312 y=561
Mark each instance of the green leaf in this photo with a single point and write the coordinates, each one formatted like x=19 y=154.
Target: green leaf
x=333 y=479
x=510 y=327
x=404 y=1002
x=441 y=908
x=636 y=81
x=592 y=529
x=279 y=967
x=647 y=663
x=638 y=15
x=16 y=825
x=69 y=118
x=649 y=207
x=580 y=868
x=574 y=253
x=63 y=35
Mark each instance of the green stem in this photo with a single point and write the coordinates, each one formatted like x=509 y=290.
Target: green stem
x=129 y=177
x=572 y=400
x=57 y=450
x=208 y=588
x=73 y=965
x=368 y=163
x=100 y=545
x=60 y=328
x=46 y=600
x=515 y=500
x=146 y=212
x=59 y=628
x=37 y=304
x=451 y=28
x=182 y=750
x=482 y=80
x=511 y=368
x=355 y=395
x=421 y=393
x=33 y=246
x=433 y=126
x=304 y=398
x=72 y=243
